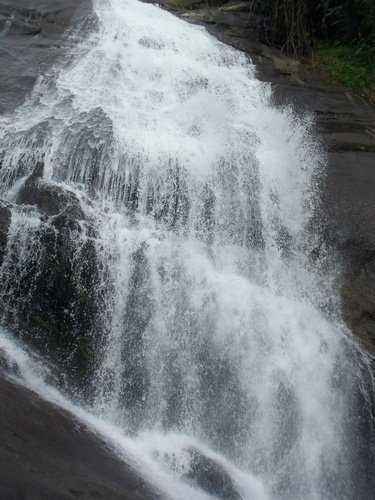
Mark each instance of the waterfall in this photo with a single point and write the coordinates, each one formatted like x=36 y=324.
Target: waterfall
x=186 y=290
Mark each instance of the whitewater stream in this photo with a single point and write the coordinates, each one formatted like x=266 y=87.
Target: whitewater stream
x=215 y=326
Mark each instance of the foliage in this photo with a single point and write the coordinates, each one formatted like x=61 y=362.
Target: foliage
x=351 y=65
x=340 y=32
x=286 y=24
x=293 y=25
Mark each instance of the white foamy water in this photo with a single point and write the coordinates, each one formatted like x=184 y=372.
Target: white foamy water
x=31 y=371
x=201 y=194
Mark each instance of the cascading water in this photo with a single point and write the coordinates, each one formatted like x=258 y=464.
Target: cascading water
x=203 y=307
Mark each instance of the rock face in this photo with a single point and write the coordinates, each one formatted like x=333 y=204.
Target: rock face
x=359 y=300
x=32 y=38
x=210 y=476
x=346 y=125
x=50 y=278
x=46 y=453
x=48 y=198
x=5 y=218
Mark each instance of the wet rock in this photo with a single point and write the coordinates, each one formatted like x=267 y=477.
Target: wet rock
x=210 y=476
x=138 y=312
x=57 y=303
x=92 y=132
x=5 y=219
x=359 y=302
x=50 y=279
x=221 y=417
x=49 y=198
x=360 y=429
x=349 y=209
x=7 y=365
x=37 y=28
x=49 y=271
x=46 y=453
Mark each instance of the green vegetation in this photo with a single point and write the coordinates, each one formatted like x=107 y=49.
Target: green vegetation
x=340 y=34
x=294 y=25
x=353 y=66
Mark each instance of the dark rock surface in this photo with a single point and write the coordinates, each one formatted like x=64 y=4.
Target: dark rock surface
x=5 y=218
x=51 y=199
x=45 y=453
x=49 y=276
x=32 y=38
x=346 y=125
x=210 y=476
x=202 y=472
x=7 y=365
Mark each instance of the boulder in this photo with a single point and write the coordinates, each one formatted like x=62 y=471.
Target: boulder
x=210 y=476
x=53 y=303
x=50 y=199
